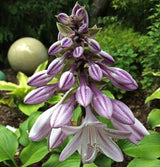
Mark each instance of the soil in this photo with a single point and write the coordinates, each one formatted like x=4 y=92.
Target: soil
x=134 y=99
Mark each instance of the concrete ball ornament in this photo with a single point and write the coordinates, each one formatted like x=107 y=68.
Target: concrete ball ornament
x=26 y=54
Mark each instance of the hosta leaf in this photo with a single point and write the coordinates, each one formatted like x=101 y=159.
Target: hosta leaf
x=148 y=148
x=144 y=163
x=8 y=144
x=103 y=161
x=22 y=78
x=154 y=118
x=8 y=86
x=154 y=95
x=29 y=109
x=34 y=152
x=73 y=160
x=41 y=66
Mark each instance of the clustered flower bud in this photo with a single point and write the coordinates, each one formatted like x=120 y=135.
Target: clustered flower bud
x=77 y=70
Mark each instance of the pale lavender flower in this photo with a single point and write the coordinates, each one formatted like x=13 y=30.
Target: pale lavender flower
x=122 y=113
x=101 y=103
x=80 y=14
x=90 y=138
x=64 y=18
x=62 y=115
x=55 y=48
x=108 y=59
x=137 y=129
x=40 y=94
x=40 y=79
x=83 y=28
x=83 y=93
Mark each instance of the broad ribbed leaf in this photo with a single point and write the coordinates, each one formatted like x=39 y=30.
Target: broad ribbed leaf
x=72 y=161
x=34 y=152
x=154 y=118
x=29 y=109
x=103 y=161
x=8 y=144
x=148 y=148
x=42 y=66
x=8 y=86
x=22 y=79
x=144 y=163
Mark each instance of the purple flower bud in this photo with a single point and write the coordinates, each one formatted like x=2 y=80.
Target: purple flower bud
x=40 y=94
x=66 y=81
x=119 y=78
x=63 y=114
x=83 y=28
x=108 y=59
x=94 y=45
x=78 y=52
x=75 y=8
x=137 y=129
x=95 y=72
x=39 y=79
x=101 y=103
x=66 y=42
x=80 y=14
x=56 y=66
x=122 y=113
x=64 y=18
x=60 y=36
x=55 y=48
x=83 y=93
x=56 y=138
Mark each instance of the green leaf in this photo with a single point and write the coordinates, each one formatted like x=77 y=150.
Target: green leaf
x=154 y=95
x=8 y=86
x=90 y=165
x=22 y=78
x=92 y=32
x=108 y=93
x=54 y=99
x=29 y=109
x=103 y=161
x=144 y=163
x=34 y=152
x=154 y=118
x=77 y=114
x=8 y=144
x=41 y=66
x=64 y=30
x=148 y=148
x=72 y=161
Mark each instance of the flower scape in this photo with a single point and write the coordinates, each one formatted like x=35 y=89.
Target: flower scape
x=81 y=64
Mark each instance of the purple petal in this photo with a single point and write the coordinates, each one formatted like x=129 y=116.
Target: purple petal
x=122 y=113
x=67 y=80
x=94 y=46
x=55 y=66
x=41 y=127
x=109 y=147
x=84 y=95
x=56 y=138
x=78 y=52
x=66 y=42
x=108 y=59
x=75 y=8
x=71 y=147
x=95 y=72
x=55 y=48
x=80 y=14
x=40 y=94
x=40 y=79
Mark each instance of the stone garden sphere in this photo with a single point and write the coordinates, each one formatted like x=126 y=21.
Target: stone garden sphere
x=26 y=54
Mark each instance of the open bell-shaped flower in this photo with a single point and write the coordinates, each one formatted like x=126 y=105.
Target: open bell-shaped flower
x=137 y=129
x=90 y=138
x=40 y=79
x=83 y=93
x=122 y=113
x=101 y=103
x=40 y=94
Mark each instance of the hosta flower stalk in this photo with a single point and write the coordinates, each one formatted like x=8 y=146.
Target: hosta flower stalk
x=79 y=65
